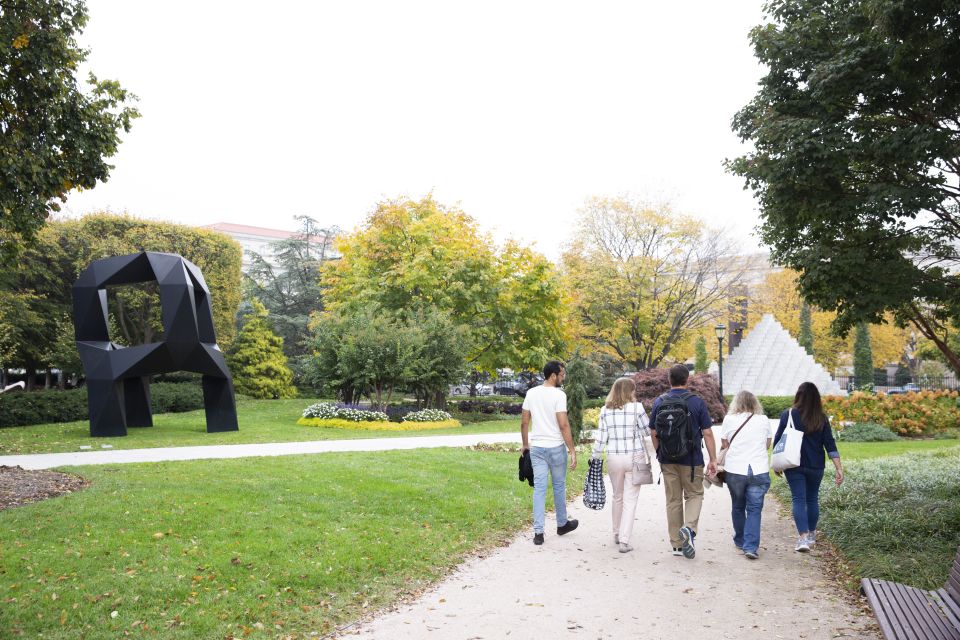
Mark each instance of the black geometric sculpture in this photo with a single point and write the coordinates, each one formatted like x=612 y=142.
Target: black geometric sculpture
x=118 y=383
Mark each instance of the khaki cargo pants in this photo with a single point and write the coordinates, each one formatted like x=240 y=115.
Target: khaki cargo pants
x=684 y=498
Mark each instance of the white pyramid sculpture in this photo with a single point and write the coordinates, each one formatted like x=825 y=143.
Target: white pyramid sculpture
x=769 y=362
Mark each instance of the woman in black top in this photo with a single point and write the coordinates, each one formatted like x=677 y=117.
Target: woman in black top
x=804 y=481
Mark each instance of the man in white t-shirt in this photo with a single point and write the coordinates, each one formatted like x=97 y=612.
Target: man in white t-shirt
x=549 y=440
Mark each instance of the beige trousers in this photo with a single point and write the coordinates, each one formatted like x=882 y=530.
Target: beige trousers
x=684 y=498
x=625 y=494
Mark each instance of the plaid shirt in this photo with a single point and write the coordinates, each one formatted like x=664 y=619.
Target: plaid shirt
x=622 y=429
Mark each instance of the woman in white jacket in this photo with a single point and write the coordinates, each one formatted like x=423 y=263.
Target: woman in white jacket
x=746 y=435
x=621 y=429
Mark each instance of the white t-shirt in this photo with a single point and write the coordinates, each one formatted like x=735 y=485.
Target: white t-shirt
x=750 y=446
x=544 y=403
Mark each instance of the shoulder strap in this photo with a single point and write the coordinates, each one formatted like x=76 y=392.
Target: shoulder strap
x=730 y=441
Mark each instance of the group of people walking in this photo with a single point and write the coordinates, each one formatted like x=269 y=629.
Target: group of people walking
x=680 y=427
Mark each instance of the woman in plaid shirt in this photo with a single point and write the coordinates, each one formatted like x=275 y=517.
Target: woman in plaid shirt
x=622 y=427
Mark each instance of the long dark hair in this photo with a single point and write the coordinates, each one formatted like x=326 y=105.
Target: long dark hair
x=808 y=403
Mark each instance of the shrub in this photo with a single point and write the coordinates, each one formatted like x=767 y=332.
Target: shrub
x=654 y=382
x=908 y=414
x=427 y=415
x=865 y=432
x=43 y=407
x=477 y=405
x=397 y=413
x=376 y=425
x=773 y=406
x=348 y=413
x=591 y=418
x=256 y=360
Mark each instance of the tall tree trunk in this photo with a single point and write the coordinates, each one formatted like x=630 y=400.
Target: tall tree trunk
x=929 y=332
x=47 y=378
x=31 y=376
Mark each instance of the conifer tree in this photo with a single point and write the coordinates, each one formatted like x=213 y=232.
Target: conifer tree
x=700 y=351
x=863 y=357
x=806 y=329
x=257 y=362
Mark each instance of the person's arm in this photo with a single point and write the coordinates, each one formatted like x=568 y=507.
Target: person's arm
x=567 y=437
x=525 y=429
x=780 y=429
x=653 y=424
x=711 y=451
x=831 y=447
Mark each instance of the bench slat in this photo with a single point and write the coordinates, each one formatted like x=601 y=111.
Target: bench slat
x=926 y=614
x=895 y=610
x=950 y=607
x=878 y=602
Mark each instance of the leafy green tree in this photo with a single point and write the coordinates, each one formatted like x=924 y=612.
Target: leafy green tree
x=806 y=329
x=855 y=163
x=256 y=361
x=702 y=361
x=442 y=360
x=413 y=256
x=863 y=357
x=366 y=352
x=54 y=137
x=643 y=278
x=288 y=285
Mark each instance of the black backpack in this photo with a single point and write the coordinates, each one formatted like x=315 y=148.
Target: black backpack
x=675 y=430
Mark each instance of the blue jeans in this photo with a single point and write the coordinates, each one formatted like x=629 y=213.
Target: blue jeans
x=552 y=460
x=805 y=491
x=746 y=493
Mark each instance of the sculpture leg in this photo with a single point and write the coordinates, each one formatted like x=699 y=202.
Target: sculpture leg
x=220 y=404
x=136 y=400
x=105 y=405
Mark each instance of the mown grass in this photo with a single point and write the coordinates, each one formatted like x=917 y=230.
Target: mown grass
x=251 y=548
x=897 y=514
x=260 y=421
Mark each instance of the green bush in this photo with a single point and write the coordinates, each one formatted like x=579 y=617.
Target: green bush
x=865 y=432
x=773 y=406
x=895 y=518
x=43 y=407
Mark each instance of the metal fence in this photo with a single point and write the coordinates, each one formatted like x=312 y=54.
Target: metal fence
x=900 y=384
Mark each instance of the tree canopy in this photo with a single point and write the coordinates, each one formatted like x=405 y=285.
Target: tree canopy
x=644 y=278
x=54 y=137
x=420 y=256
x=856 y=161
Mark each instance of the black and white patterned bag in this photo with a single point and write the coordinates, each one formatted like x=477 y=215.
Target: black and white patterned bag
x=594 y=491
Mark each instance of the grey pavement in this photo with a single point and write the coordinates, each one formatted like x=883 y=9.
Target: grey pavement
x=161 y=454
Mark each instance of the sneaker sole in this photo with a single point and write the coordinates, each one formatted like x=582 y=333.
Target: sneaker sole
x=689 y=551
x=802 y=549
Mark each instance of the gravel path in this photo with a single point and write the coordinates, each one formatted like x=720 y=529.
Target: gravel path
x=579 y=586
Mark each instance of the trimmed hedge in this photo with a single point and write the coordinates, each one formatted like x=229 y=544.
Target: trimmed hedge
x=865 y=432
x=908 y=414
x=477 y=405
x=20 y=409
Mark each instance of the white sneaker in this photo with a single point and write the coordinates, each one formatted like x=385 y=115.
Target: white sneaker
x=811 y=538
x=802 y=545
x=625 y=548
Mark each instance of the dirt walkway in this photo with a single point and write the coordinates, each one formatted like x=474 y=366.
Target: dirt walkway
x=579 y=586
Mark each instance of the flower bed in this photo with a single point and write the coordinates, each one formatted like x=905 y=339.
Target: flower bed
x=908 y=414
x=378 y=425
x=427 y=415
x=349 y=413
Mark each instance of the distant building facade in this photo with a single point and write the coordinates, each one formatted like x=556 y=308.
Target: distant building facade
x=258 y=240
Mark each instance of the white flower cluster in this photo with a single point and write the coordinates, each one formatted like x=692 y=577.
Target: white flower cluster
x=427 y=415
x=329 y=410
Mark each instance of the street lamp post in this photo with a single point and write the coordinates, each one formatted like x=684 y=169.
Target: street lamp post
x=721 y=333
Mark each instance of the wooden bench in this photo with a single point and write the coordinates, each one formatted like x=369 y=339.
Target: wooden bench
x=908 y=613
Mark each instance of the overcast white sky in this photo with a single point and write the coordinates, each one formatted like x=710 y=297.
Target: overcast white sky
x=518 y=111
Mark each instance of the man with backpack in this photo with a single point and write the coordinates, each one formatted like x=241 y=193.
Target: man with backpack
x=678 y=422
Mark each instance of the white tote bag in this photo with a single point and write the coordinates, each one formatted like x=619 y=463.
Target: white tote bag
x=786 y=453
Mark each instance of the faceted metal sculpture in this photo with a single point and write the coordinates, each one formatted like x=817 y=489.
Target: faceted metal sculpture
x=118 y=383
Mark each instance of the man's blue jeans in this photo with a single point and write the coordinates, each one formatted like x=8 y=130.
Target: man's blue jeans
x=805 y=491
x=552 y=460
x=747 y=493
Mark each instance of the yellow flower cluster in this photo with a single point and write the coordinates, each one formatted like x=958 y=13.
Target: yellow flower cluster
x=337 y=423
x=908 y=414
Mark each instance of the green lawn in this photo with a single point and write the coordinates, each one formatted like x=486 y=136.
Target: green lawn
x=258 y=548
x=260 y=421
x=897 y=514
